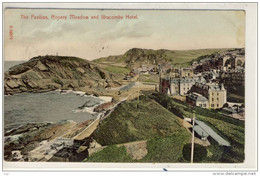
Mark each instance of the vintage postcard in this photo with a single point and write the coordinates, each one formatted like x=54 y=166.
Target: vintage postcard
x=129 y=84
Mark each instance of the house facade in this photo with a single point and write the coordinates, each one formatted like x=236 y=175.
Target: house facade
x=215 y=93
x=186 y=72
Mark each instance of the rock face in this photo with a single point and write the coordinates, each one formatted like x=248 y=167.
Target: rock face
x=45 y=73
x=138 y=56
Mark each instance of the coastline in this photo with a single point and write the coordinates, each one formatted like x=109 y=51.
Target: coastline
x=20 y=140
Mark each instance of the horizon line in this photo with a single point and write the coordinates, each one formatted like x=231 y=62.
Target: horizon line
x=128 y=50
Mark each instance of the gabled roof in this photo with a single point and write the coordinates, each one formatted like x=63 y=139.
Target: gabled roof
x=197 y=97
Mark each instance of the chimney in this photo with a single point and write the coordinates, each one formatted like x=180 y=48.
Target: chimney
x=222 y=86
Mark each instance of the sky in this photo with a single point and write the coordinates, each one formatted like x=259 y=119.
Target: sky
x=94 y=38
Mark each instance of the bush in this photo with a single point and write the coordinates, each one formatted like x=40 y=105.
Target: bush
x=200 y=152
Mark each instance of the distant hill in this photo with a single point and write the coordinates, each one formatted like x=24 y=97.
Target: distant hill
x=137 y=56
x=44 y=73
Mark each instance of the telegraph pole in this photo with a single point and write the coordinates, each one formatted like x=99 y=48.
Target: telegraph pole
x=138 y=90
x=192 y=140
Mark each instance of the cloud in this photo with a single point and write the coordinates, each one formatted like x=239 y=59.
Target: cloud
x=154 y=29
x=123 y=29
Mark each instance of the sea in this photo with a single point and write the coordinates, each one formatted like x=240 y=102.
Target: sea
x=9 y=64
x=23 y=108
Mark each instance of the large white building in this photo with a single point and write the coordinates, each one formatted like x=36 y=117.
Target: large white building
x=178 y=86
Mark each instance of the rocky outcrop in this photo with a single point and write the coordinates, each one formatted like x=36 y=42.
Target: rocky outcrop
x=46 y=73
x=138 y=56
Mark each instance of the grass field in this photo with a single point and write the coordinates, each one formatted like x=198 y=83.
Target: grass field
x=149 y=78
x=183 y=57
x=117 y=69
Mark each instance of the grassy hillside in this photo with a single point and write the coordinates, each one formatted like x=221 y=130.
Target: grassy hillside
x=127 y=123
x=111 y=154
x=160 y=149
x=165 y=136
x=231 y=129
x=138 y=56
x=167 y=149
x=163 y=131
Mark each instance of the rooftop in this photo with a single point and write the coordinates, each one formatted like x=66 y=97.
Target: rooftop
x=197 y=97
x=200 y=131
x=212 y=133
x=212 y=86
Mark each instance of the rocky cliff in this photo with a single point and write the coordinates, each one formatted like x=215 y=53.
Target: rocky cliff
x=45 y=73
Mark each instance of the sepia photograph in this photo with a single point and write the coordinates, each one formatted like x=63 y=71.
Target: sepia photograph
x=121 y=85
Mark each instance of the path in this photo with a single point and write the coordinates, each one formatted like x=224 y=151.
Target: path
x=93 y=126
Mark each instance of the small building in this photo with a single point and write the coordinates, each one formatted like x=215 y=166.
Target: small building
x=211 y=75
x=145 y=69
x=215 y=93
x=186 y=72
x=196 y=99
x=165 y=67
x=205 y=131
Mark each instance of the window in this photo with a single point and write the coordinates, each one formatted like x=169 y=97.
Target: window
x=217 y=93
x=217 y=105
x=212 y=105
x=204 y=105
x=217 y=99
x=200 y=105
x=212 y=99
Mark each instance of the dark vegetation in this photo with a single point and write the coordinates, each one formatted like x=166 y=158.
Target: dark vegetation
x=200 y=153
